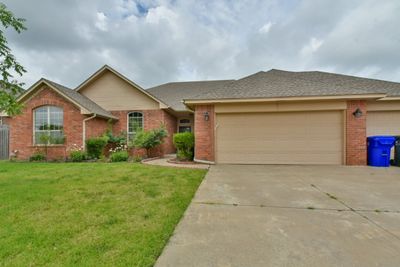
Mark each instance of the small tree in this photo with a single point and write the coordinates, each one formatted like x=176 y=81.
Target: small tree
x=150 y=139
x=47 y=140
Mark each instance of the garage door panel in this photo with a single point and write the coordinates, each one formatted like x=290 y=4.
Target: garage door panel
x=280 y=138
x=282 y=158
x=383 y=123
x=276 y=146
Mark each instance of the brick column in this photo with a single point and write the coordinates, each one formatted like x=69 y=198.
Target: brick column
x=204 y=133
x=356 y=133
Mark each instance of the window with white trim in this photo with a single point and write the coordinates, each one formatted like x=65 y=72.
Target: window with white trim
x=48 y=125
x=135 y=124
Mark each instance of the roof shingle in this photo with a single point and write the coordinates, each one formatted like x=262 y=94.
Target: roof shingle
x=174 y=93
x=278 y=83
x=81 y=100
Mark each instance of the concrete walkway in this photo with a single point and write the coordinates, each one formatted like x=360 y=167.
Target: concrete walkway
x=164 y=162
x=290 y=216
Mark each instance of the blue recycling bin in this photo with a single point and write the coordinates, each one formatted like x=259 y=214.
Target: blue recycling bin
x=379 y=150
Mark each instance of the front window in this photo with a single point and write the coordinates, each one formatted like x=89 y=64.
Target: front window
x=135 y=124
x=48 y=125
x=184 y=125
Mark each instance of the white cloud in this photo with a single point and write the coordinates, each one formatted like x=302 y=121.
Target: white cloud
x=266 y=27
x=311 y=47
x=101 y=22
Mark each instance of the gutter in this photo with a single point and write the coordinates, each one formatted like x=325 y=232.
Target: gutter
x=84 y=129
x=290 y=98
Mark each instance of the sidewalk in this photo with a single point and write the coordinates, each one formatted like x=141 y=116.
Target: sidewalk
x=164 y=162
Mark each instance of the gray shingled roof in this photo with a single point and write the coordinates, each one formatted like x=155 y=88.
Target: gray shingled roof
x=278 y=83
x=173 y=93
x=82 y=100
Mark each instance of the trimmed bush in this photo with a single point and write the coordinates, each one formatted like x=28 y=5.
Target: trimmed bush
x=95 y=146
x=184 y=143
x=119 y=156
x=150 y=139
x=77 y=156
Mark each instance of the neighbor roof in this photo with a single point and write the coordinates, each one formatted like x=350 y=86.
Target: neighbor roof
x=174 y=93
x=74 y=96
x=279 y=83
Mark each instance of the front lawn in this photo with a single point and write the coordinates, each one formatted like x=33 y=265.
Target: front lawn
x=90 y=214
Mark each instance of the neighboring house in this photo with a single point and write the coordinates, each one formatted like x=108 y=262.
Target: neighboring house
x=273 y=117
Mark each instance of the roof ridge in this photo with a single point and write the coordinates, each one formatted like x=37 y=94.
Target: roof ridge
x=56 y=83
x=194 y=81
x=357 y=77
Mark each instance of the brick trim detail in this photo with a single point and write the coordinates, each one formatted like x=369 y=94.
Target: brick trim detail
x=356 y=133
x=204 y=133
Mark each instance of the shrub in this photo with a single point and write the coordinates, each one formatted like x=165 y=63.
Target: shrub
x=95 y=146
x=116 y=139
x=38 y=156
x=76 y=153
x=119 y=156
x=184 y=143
x=77 y=156
x=150 y=139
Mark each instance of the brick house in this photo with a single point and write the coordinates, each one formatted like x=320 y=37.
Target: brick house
x=273 y=117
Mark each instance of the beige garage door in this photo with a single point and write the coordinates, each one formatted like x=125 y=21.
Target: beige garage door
x=280 y=138
x=383 y=123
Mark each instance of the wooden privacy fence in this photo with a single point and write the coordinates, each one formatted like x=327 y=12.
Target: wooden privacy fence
x=4 y=142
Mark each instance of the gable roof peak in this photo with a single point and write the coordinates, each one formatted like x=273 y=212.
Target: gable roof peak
x=121 y=76
x=73 y=96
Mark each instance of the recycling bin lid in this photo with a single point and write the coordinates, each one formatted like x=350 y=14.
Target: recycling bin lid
x=382 y=139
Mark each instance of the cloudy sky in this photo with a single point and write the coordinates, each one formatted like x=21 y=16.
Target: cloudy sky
x=157 y=41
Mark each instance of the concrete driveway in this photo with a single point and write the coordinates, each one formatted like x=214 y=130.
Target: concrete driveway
x=290 y=216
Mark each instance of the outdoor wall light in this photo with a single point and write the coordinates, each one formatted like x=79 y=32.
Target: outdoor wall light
x=357 y=113
x=206 y=116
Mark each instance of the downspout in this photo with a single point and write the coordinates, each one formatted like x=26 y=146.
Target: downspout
x=84 y=129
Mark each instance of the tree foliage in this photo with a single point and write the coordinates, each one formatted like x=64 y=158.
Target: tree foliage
x=10 y=88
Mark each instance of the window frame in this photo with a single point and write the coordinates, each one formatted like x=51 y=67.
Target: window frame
x=128 y=133
x=48 y=122
x=184 y=122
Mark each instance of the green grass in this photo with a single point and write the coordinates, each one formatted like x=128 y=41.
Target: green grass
x=90 y=214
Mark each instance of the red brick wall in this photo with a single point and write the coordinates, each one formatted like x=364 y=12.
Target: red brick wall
x=21 y=126
x=152 y=119
x=96 y=127
x=171 y=125
x=356 y=134
x=204 y=133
